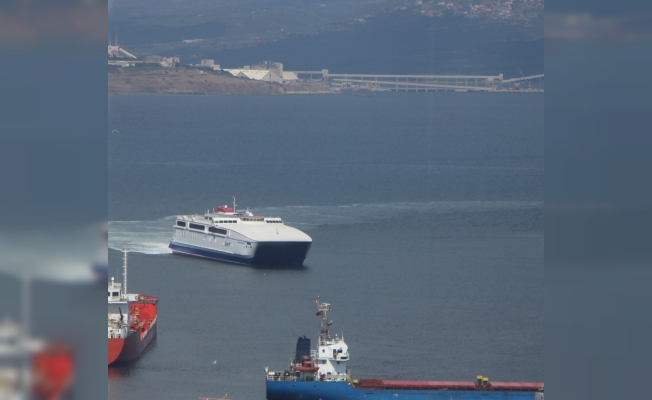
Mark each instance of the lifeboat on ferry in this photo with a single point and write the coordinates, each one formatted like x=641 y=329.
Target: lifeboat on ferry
x=225 y=209
x=306 y=365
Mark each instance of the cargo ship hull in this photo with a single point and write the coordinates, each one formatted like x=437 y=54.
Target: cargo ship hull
x=129 y=349
x=322 y=374
x=305 y=390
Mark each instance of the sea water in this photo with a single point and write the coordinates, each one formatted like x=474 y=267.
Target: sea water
x=426 y=213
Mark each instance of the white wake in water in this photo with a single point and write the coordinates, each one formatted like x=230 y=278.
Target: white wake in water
x=149 y=237
x=153 y=237
x=310 y=217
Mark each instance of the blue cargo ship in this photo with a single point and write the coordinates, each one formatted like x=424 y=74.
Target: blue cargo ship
x=322 y=374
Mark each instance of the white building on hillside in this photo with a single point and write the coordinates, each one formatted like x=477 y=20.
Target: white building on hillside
x=170 y=61
x=290 y=76
x=119 y=52
x=256 y=74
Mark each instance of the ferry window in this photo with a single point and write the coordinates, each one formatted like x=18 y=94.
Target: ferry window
x=217 y=230
x=197 y=226
x=181 y=223
x=109 y=294
x=116 y=293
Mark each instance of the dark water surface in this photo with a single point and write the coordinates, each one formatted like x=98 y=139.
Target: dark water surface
x=426 y=213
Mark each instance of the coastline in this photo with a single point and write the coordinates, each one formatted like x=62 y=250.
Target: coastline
x=134 y=80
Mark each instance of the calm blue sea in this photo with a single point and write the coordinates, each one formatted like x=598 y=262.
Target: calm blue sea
x=426 y=213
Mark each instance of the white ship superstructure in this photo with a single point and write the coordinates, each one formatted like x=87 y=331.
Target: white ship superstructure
x=327 y=363
x=242 y=238
x=332 y=354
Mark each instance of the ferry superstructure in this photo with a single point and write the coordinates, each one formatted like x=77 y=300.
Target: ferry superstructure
x=242 y=238
x=322 y=374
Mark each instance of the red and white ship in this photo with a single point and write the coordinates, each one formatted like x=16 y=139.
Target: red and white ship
x=32 y=368
x=132 y=321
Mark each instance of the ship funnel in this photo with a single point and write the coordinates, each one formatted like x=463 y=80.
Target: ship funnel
x=303 y=349
x=479 y=381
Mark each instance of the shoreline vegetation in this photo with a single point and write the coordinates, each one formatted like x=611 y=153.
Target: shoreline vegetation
x=183 y=80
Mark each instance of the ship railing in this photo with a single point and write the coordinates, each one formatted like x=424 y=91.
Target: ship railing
x=282 y=377
x=339 y=377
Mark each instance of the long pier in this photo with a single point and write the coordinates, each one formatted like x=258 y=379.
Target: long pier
x=459 y=83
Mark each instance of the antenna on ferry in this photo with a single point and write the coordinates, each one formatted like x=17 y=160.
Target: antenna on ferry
x=234 y=204
x=124 y=266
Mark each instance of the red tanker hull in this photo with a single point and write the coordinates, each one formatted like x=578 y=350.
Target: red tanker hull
x=140 y=337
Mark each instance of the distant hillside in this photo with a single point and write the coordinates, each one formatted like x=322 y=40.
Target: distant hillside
x=379 y=36
x=397 y=44
x=229 y=23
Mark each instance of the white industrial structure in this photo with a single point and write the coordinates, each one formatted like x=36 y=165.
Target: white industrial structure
x=290 y=76
x=209 y=64
x=119 y=52
x=256 y=74
x=169 y=61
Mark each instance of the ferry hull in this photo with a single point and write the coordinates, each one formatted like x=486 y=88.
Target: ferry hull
x=281 y=253
x=303 y=390
x=267 y=253
x=129 y=349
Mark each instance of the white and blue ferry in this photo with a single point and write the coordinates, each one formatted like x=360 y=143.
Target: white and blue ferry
x=242 y=238
x=322 y=374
